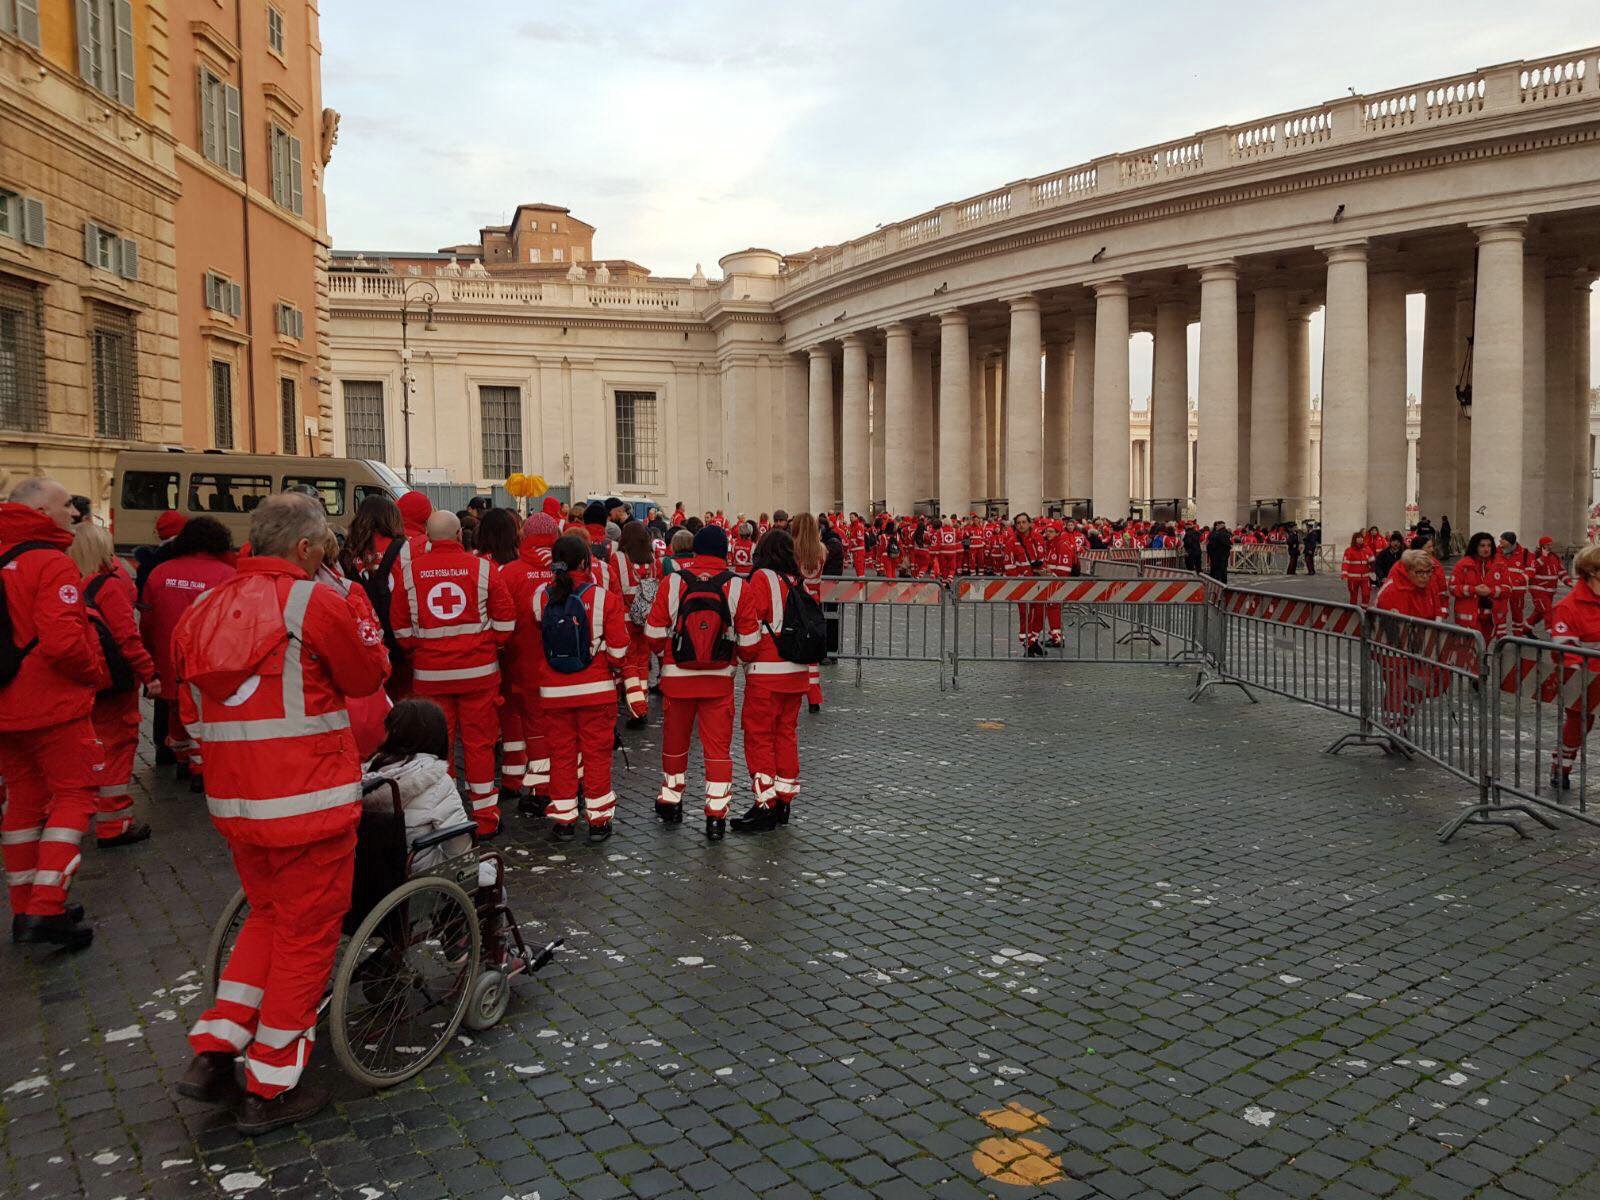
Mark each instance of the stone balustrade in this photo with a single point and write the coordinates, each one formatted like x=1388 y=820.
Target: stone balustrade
x=1357 y=118
x=486 y=290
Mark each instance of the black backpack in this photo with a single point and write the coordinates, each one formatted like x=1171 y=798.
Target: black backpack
x=564 y=631
x=117 y=665
x=803 y=636
x=702 y=635
x=375 y=583
x=11 y=654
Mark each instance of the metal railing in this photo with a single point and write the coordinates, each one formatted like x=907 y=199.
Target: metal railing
x=887 y=620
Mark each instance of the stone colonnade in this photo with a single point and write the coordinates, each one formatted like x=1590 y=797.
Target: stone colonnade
x=1027 y=398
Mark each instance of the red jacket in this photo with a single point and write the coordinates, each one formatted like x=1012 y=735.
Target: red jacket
x=1060 y=557
x=688 y=682
x=1575 y=620
x=114 y=600
x=626 y=575
x=1022 y=551
x=949 y=541
x=1400 y=595
x=268 y=660
x=1467 y=575
x=1357 y=564
x=741 y=554
x=1519 y=567
x=451 y=614
x=522 y=656
x=43 y=594
x=592 y=686
x=169 y=591
x=1548 y=571
x=759 y=617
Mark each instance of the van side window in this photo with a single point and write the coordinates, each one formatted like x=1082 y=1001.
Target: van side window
x=363 y=490
x=329 y=491
x=150 y=490
x=212 y=493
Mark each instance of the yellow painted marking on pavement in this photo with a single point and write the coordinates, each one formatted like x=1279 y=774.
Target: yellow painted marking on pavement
x=1021 y=1161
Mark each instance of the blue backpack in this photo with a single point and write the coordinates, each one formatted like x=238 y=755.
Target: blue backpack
x=564 y=629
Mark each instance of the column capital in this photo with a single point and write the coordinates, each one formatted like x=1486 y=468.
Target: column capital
x=1115 y=286
x=952 y=316
x=854 y=341
x=1027 y=302
x=897 y=329
x=1500 y=231
x=1225 y=268
x=1441 y=281
x=820 y=350
x=1344 y=251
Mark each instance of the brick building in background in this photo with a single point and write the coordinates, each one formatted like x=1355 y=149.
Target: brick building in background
x=162 y=231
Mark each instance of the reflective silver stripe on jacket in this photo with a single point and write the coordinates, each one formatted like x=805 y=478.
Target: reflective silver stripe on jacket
x=301 y=805
x=488 y=668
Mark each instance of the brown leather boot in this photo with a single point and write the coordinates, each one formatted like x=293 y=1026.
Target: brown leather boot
x=257 y=1116
x=209 y=1078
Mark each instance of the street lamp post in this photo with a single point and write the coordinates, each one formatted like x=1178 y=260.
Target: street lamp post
x=420 y=290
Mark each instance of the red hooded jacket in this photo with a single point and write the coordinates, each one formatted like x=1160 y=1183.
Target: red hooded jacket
x=171 y=589
x=44 y=597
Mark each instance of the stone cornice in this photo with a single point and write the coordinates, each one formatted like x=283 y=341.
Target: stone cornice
x=565 y=321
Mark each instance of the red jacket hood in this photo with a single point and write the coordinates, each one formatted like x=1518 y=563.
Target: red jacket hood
x=528 y=549
x=415 y=509
x=19 y=523
x=239 y=631
x=704 y=565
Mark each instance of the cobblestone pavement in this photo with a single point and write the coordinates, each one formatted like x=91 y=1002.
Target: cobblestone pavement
x=1207 y=959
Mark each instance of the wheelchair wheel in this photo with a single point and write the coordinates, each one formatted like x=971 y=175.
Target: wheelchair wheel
x=491 y=996
x=222 y=939
x=403 y=982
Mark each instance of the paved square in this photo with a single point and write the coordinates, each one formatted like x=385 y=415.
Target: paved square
x=1059 y=933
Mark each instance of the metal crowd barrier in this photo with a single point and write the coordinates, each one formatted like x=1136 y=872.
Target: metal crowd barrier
x=1266 y=558
x=888 y=620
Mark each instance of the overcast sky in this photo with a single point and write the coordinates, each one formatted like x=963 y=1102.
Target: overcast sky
x=686 y=130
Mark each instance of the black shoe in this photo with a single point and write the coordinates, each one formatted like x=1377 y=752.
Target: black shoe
x=533 y=806
x=638 y=722
x=57 y=930
x=510 y=795
x=131 y=836
x=814 y=708
x=209 y=1078
x=757 y=820
x=197 y=784
x=563 y=833
x=599 y=833
x=716 y=827
x=670 y=814
x=165 y=757
x=783 y=812
x=1560 y=781
x=257 y=1116
x=1055 y=641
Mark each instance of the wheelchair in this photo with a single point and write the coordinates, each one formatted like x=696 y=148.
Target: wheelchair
x=425 y=950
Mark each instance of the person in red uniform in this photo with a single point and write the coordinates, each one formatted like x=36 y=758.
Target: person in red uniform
x=201 y=558
x=855 y=544
x=1549 y=574
x=774 y=686
x=742 y=548
x=1480 y=584
x=268 y=660
x=691 y=625
x=48 y=749
x=1410 y=590
x=1575 y=621
x=1357 y=569
x=109 y=596
x=1519 y=573
x=415 y=509
x=578 y=698
x=522 y=664
x=451 y=614
x=1025 y=558
x=947 y=547
x=1061 y=562
x=634 y=566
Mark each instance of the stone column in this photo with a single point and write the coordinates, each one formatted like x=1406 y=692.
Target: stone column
x=997 y=425
x=1344 y=396
x=1533 y=401
x=1247 y=341
x=977 y=440
x=794 y=449
x=1024 y=409
x=955 y=414
x=1560 y=506
x=853 y=427
x=1497 y=381
x=899 y=438
x=924 y=460
x=1269 y=395
x=1217 y=485
x=1436 y=454
x=1080 y=420
x=1169 y=402
x=824 y=483
x=1582 y=468
x=1057 y=400
x=1111 y=416
x=1386 y=401
x=1463 y=508
x=1297 y=478
x=880 y=373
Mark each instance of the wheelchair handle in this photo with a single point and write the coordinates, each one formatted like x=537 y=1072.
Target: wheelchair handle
x=428 y=841
x=368 y=786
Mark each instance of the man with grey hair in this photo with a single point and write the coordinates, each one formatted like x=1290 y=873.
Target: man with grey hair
x=267 y=661
x=49 y=754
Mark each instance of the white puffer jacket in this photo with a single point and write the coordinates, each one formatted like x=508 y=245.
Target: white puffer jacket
x=431 y=803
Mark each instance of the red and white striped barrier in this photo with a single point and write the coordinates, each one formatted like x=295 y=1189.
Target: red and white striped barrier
x=880 y=591
x=1286 y=610
x=1079 y=591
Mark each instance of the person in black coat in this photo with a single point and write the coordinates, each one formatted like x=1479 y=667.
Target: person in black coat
x=832 y=566
x=1312 y=543
x=1191 y=549
x=1219 y=546
x=1291 y=538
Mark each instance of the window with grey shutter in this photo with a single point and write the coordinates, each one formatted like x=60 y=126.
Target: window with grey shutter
x=220 y=130
x=274 y=29
x=124 y=52
x=113 y=355
x=103 y=249
x=22 y=400
x=363 y=419
x=20 y=19
x=230 y=99
x=286 y=180
x=105 y=47
x=128 y=258
x=501 y=412
x=33 y=221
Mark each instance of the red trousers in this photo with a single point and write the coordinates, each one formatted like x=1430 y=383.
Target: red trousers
x=513 y=743
x=475 y=718
x=180 y=741
x=636 y=673
x=947 y=561
x=50 y=778
x=1360 y=591
x=858 y=559
x=1543 y=602
x=116 y=723
x=1030 y=622
x=267 y=998
x=771 y=744
x=814 y=686
x=581 y=742
x=1052 y=620
x=712 y=718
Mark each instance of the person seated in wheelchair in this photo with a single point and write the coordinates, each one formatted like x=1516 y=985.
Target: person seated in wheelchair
x=413 y=756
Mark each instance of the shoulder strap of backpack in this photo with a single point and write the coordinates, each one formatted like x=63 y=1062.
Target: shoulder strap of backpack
x=93 y=590
x=21 y=548
x=390 y=554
